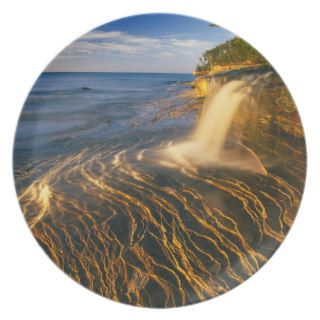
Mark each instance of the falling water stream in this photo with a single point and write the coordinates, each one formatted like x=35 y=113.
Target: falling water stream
x=206 y=146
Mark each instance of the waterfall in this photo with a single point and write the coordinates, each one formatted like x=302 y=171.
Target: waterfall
x=206 y=146
x=218 y=112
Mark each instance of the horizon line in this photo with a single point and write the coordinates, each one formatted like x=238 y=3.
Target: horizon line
x=147 y=72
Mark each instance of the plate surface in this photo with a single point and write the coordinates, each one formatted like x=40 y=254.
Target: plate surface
x=159 y=160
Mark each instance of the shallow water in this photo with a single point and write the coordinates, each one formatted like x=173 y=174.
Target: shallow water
x=116 y=218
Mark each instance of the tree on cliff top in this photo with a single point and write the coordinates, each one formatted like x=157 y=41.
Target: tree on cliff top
x=234 y=51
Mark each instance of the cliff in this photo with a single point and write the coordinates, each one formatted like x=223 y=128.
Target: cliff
x=269 y=125
x=229 y=67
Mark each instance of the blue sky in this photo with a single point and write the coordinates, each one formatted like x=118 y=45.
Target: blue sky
x=144 y=43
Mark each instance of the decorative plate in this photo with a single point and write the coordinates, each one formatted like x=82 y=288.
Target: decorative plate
x=159 y=160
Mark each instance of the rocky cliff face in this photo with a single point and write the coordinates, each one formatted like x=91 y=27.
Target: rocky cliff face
x=201 y=85
x=270 y=123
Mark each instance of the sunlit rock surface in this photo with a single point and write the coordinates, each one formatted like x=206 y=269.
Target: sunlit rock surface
x=144 y=227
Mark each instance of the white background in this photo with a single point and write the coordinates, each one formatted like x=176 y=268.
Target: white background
x=33 y=32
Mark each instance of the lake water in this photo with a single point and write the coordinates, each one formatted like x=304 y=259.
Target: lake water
x=126 y=222
x=66 y=111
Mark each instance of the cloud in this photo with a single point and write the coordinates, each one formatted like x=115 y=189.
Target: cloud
x=117 y=51
x=101 y=35
x=121 y=43
x=189 y=43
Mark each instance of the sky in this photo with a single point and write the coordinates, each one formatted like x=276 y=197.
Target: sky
x=143 y=43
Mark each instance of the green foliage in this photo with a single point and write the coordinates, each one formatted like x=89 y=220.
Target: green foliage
x=234 y=51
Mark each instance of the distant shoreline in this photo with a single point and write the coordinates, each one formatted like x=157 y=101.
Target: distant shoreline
x=117 y=72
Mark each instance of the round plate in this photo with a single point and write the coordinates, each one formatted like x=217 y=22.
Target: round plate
x=159 y=160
